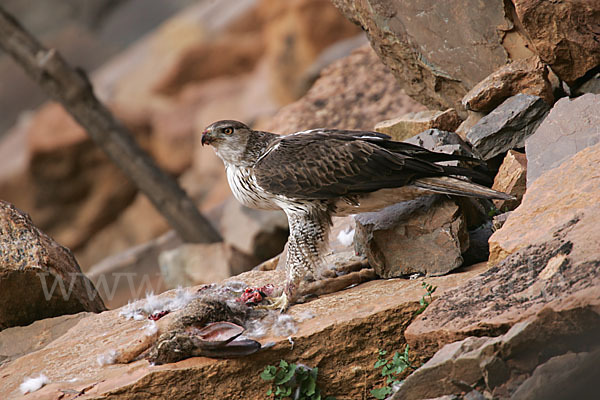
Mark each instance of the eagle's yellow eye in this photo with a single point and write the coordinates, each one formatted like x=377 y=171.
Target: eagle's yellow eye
x=228 y=131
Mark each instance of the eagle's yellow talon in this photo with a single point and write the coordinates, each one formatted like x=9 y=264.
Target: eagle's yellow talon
x=281 y=303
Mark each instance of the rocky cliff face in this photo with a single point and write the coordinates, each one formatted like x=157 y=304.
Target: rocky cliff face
x=480 y=300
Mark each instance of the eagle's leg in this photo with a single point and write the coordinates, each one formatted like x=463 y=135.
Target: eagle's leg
x=308 y=237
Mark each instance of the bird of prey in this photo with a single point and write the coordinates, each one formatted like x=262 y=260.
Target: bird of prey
x=316 y=174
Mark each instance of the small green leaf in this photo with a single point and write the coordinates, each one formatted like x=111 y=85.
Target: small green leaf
x=287 y=376
x=269 y=392
x=380 y=363
x=381 y=393
x=310 y=387
x=283 y=364
x=269 y=373
x=382 y=352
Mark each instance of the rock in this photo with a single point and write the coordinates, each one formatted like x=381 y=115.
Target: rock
x=554 y=269
x=332 y=53
x=17 y=341
x=472 y=118
x=442 y=141
x=562 y=198
x=292 y=44
x=228 y=55
x=138 y=223
x=412 y=124
x=564 y=34
x=528 y=76
x=474 y=210
x=501 y=362
x=512 y=179
x=355 y=92
x=193 y=264
x=427 y=236
x=479 y=250
x=571 y=126
x=508 y=125
x=73 y=189
x=126 y=276
x=349 y=314
x=259 y=233
x=434 y=49
x=457 y=361
x=39 y=278
x=569 y=375
x=592 y=85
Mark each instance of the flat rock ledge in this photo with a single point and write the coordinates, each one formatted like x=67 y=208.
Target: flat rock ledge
x=345 y=328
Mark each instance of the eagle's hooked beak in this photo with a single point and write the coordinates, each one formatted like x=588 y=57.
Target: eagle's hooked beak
x=206 y=138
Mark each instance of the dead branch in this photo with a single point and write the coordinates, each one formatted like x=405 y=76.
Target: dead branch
x=72 y=88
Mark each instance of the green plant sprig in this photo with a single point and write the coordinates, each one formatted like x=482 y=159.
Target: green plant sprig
x=294 y=381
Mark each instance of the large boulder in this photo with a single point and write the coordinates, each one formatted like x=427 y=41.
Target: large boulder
x=562 y=197
x=555 y=340
x=508 y=126
x=571 y=126
x=529 y=76
x=355 y=92
x=545 y=255
x=438 y=50
x=564 y=34
x=38 y=277
x=426 y=236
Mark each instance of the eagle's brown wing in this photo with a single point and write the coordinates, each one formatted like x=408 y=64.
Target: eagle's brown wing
x=330 y=164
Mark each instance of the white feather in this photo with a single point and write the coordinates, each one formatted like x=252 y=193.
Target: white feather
x=107 y=358
x=30 y=385
x=346 y=237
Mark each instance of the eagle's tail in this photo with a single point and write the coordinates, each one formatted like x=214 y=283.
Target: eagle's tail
x=460 y=187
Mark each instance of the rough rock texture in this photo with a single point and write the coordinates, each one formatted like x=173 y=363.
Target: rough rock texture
x=571 y=126
x=512 y=179
x=563 y=196
x=427 y=235
x=592 y=85
x=258 y=233
x=529 y=76
x=503 y=362
x=17 y=341
x=333 y=330
x=441 y=141
x=472 y=118
x=193 y=264
x=564 y=34
x=571 y=375
x=412 y=124
x=436 y=50
x=353 y=93
x=508 y=125
x=556 y=274
x=38 y=277
x=552 y=239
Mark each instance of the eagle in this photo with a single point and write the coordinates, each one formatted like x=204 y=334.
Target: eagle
x=316 y=174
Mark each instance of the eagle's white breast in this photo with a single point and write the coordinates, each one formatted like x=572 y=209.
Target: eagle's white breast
x=245 y=189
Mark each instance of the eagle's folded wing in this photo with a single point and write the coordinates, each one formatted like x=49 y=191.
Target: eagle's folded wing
x=324 y=166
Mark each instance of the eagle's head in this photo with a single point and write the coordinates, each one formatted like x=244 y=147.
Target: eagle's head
x=229 y=139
